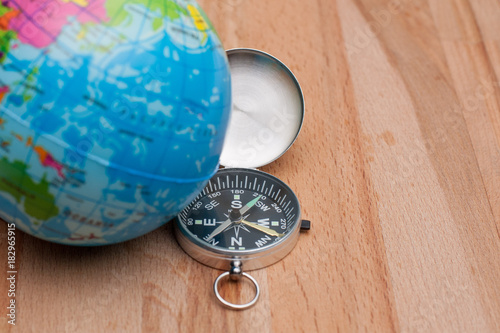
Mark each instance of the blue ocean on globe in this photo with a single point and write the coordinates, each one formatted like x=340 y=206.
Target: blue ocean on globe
x=113 y=115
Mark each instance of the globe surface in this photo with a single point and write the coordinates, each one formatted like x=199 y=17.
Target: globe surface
x=112 y=115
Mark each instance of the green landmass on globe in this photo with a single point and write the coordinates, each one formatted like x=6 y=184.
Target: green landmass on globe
x=38 y=202
x=112 y=115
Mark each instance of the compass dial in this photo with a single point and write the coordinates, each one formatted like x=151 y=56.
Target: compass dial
x=242 y=213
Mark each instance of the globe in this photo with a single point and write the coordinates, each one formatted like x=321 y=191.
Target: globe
x=112 y=115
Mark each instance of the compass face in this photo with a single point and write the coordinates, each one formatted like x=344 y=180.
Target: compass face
x=241 y=211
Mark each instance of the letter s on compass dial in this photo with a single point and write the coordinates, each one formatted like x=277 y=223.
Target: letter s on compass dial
x=242 y=214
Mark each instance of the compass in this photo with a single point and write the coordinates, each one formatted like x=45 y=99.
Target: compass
x=246 y=219
x=243 y=219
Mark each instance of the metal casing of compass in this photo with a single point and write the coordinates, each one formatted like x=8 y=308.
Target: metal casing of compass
x=268 y=109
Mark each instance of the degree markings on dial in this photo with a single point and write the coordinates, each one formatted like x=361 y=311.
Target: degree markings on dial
x=246 y=181
x=277 y=193
x=283 y=199
x=210 y=184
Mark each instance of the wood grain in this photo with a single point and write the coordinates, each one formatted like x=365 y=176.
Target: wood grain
x=397 y=166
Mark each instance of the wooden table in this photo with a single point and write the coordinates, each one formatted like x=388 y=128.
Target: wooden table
x=397 y=166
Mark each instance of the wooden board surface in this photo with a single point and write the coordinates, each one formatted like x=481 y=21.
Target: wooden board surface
x=397 y=166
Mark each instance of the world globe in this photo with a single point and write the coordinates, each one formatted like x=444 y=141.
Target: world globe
x=113 y=115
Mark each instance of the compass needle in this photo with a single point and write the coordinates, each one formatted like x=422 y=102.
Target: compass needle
x=266 y=230
x=250 y=205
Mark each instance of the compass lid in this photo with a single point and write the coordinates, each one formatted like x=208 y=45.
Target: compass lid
x=267 y=113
